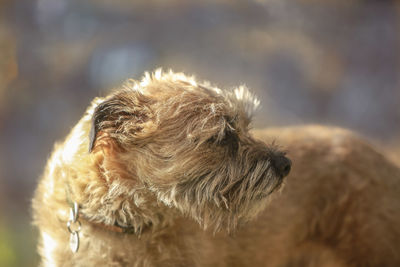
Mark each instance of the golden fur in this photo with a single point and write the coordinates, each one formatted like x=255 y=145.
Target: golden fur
x=173 y=161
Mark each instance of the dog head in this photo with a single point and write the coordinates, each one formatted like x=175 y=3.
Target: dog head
x=186 y=146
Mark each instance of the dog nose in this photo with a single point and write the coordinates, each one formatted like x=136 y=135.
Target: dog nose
x=282 y=165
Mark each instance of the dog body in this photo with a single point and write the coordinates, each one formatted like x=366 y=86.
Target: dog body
x=339 y=207
x=165 y=173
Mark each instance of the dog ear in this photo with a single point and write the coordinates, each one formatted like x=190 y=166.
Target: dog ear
x=103 y=113
x=121 y=114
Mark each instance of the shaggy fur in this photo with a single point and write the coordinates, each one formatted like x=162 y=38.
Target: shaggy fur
x=173 y=161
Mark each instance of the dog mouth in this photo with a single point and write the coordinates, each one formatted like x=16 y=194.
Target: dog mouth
x=266 y=185
x=253 y=185
x=270 y=189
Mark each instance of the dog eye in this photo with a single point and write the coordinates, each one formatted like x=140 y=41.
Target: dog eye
x=229 y=139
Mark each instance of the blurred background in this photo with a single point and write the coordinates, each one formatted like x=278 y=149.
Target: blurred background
x=334 y=62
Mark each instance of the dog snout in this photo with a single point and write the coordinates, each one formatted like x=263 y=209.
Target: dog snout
x=282 y=165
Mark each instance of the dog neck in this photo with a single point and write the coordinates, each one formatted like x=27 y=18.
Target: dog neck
x=80 y=216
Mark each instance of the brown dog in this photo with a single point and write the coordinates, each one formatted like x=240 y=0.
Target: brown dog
x=148 y=164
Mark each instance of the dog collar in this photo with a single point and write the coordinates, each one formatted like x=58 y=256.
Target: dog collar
x=113 y=228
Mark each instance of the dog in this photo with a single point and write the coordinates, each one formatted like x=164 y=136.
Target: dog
x=166 y=172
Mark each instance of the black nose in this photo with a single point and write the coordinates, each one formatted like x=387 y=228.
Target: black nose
x=282 y=165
